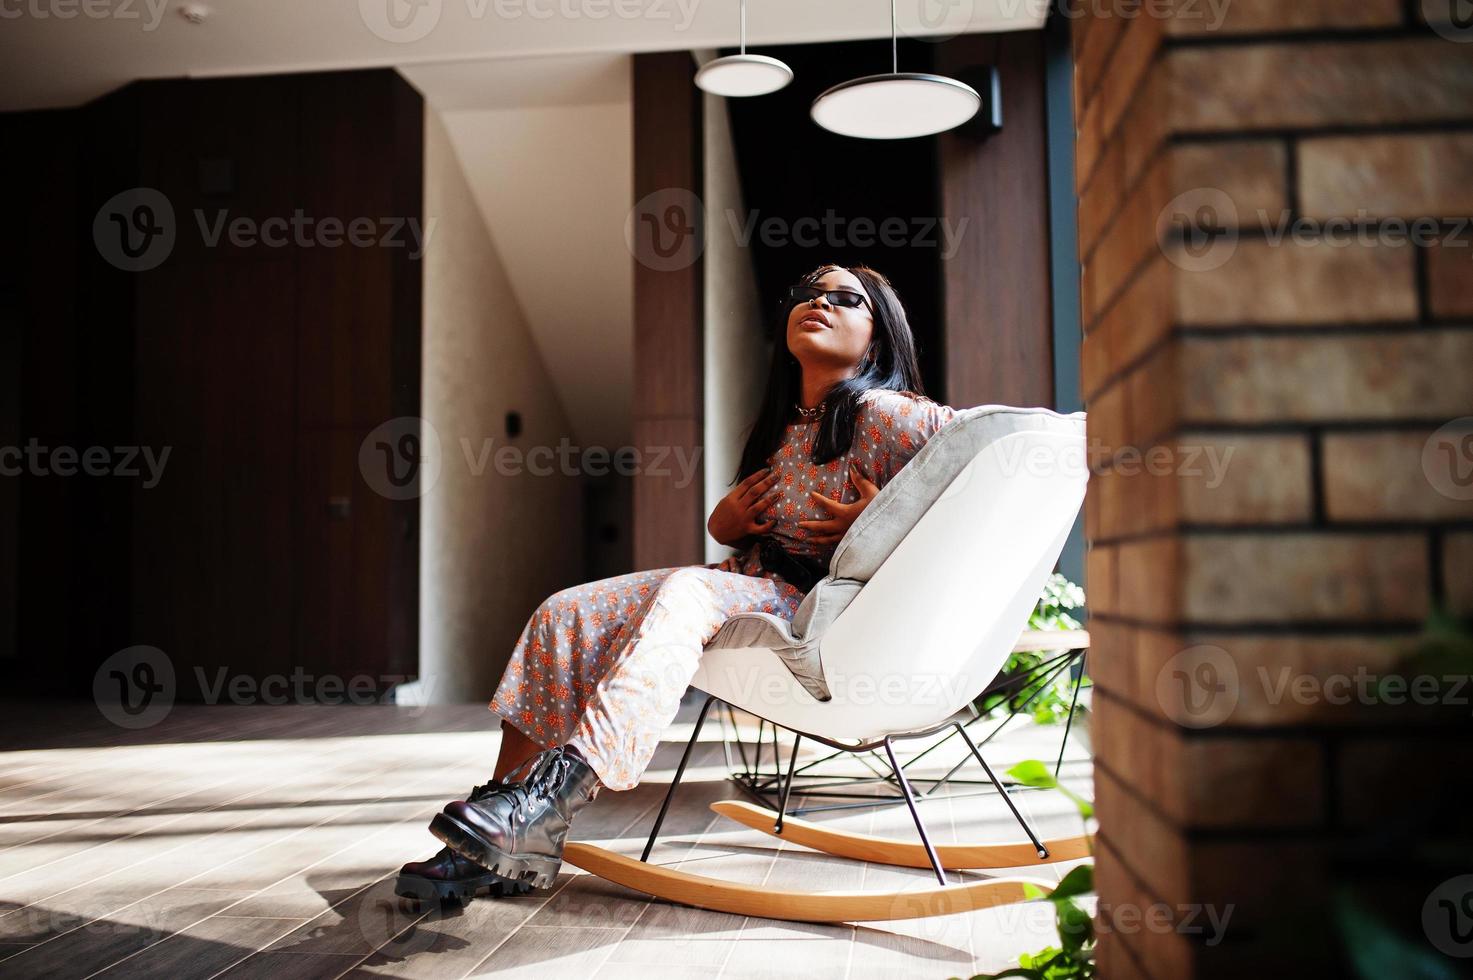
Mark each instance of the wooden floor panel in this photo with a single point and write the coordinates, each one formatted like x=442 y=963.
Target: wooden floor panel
x=262 y=842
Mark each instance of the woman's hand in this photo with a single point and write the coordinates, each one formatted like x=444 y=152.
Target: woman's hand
x=735 y=516
x=832 y=529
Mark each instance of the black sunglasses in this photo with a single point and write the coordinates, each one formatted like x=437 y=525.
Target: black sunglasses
x=846 y=298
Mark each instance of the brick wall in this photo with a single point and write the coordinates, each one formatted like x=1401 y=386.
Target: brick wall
x=1269 y=499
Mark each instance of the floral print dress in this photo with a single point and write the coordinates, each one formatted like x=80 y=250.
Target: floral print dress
x=603 y=666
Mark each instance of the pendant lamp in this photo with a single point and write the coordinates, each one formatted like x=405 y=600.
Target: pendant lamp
x=743 y=74
x=896 y=105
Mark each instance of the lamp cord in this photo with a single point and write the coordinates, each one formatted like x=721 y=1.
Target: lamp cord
x=894 y=57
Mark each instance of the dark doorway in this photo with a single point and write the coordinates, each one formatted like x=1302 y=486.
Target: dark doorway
x=813 y=196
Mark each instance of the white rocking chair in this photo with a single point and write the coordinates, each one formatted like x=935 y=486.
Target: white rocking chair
x=926 y=596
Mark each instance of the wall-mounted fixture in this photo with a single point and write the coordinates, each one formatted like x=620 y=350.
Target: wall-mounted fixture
x=743 y=74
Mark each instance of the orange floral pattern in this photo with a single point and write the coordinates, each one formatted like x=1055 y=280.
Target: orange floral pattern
x=603 y=666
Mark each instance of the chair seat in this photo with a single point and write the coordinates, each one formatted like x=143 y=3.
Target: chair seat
x=926 y=593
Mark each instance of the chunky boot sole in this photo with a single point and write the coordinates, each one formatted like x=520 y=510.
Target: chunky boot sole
x=539 y=869
x=426 y=889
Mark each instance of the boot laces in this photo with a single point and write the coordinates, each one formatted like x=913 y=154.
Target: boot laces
x=548 y=769
x=546 y=778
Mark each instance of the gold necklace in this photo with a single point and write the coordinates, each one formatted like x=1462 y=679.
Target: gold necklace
x=809 y=414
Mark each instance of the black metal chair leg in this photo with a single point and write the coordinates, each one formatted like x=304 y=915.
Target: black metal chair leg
x=757 y=754
x=736 y=734
x=1002 y=790
x=914 y=813
x=679 y=772
x=777 y=758
x=1069 y=721
x=788 y=786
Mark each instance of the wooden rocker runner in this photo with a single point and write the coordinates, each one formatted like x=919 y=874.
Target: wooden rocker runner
x=933 y=584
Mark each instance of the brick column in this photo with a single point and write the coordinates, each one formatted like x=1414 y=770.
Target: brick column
x=1269 y=499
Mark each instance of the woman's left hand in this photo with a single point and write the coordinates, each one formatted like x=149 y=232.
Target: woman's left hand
x=832 y=529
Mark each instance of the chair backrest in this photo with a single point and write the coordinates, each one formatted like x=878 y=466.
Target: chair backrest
x=938 y=618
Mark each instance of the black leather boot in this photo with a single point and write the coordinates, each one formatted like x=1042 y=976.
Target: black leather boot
x=519 y=832
x=447 y=875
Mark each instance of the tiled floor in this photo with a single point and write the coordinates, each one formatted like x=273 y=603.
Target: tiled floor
x=262 y=841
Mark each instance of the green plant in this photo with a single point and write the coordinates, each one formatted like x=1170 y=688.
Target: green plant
x=1379 y=886
x=1052 y=613
x=1074 y=957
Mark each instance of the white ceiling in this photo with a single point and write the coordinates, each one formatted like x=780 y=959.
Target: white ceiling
x=64 y=52
x=535 y=95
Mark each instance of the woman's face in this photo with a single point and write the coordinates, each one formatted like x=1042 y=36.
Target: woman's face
x=824 y=335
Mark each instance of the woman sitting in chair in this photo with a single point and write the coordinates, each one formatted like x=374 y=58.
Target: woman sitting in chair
x=600 y=669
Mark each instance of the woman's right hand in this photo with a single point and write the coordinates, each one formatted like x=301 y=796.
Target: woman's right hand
x=735 y=516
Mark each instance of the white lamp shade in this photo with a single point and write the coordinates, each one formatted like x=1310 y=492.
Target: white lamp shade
x=743 y=74
x=895 y=106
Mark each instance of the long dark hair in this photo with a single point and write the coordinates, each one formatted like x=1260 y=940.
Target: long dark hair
x=893 y=366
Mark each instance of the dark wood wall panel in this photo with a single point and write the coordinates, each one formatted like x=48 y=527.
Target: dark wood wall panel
x=260 y=368
x=38 y=328
x=999 y=343
x=669 y=317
